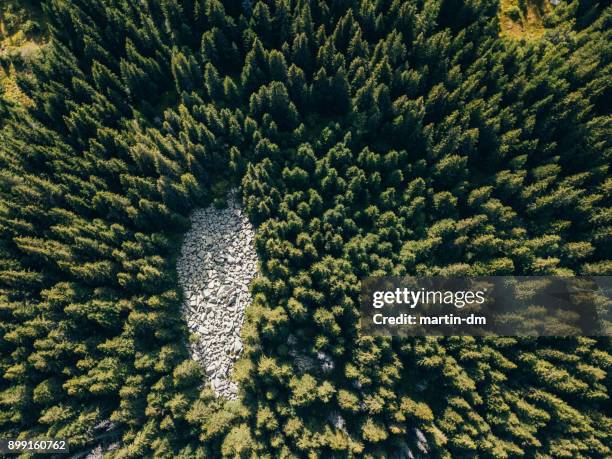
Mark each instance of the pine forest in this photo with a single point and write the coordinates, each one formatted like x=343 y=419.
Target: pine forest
x=362 y=138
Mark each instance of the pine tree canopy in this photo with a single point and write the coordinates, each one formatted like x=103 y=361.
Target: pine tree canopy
x=366 y=138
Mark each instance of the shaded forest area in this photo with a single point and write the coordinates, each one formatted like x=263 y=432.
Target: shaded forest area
x=22 y=32
x=367 y=138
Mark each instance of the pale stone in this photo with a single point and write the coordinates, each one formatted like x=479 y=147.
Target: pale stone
x=216 y=265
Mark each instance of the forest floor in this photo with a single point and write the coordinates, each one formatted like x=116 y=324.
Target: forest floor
x=523 y=19
x=22 y=33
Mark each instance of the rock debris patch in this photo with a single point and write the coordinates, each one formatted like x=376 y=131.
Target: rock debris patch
x=216 y=265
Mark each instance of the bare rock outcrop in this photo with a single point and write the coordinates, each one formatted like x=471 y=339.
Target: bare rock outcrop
x=216 y=265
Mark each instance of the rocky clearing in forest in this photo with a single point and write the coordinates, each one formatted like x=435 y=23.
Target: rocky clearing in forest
x=215 y=267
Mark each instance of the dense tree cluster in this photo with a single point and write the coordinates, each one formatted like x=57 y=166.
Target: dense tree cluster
x=368 y=137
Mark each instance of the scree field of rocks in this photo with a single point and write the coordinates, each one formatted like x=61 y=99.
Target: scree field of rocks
x=215 y=268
